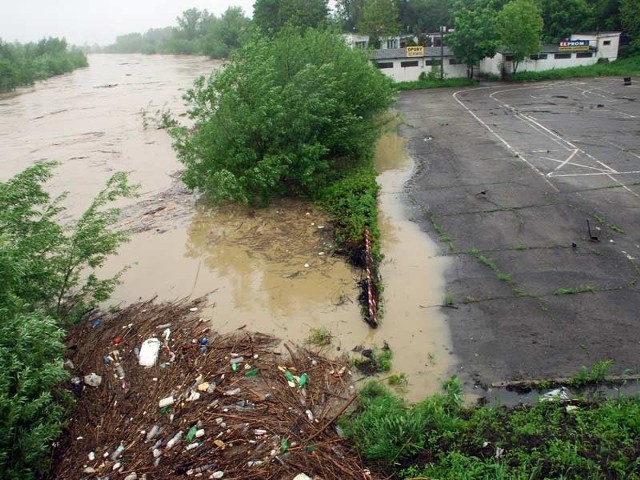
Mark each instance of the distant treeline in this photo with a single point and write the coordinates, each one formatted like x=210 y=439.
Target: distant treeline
x=23 y=64
x=198 y=33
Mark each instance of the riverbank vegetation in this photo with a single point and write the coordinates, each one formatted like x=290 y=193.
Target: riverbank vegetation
x=440 y=438
x=197 y=32
x=296 y=115
x=24 y=64
x=48 y=281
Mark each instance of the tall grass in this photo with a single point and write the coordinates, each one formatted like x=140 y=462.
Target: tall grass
x=624 y=68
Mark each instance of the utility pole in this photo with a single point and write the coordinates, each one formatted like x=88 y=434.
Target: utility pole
x=442 y=28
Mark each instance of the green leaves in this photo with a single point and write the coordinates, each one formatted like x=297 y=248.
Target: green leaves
x=48 y=273
x=476 y=35
x=50 y=266
x=33 y=411
x=285 y=117
x=520 y=25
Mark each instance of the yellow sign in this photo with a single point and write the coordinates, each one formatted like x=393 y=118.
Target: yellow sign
x=415 y=51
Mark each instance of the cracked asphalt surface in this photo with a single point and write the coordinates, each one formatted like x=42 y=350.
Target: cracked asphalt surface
x=506 y=177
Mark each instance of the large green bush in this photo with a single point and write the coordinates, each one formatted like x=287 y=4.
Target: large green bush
x=286 y=116
x=48 y=278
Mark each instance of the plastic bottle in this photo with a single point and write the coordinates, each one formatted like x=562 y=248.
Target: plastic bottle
x=116 y=454
x=153 y=432
x=191 y=434
x=176 y=439
x=120 y=372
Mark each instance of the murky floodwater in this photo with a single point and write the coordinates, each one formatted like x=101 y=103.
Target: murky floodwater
x=269 y=270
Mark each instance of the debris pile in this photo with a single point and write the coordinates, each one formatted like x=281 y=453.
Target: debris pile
x=161 y=396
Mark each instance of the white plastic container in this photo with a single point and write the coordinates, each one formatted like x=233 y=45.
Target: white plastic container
x=149 y=352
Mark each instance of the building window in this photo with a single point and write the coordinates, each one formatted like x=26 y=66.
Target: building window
x=560 y=56
x=453 y=61
x=361 y=44
x=385 y=64
x=538 y=56
x=431 y=61
x=411 y=63
x=607 y=42
x=584 y=54
x=508 y=58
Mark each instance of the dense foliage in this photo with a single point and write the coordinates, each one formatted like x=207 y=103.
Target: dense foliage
x=520 y=27
x=379 y=20
x=271 y=15
x=197 y=32
x=476 y=33
x=287 y=116
x=443 y=440
x=48 y=279
x=23 y=64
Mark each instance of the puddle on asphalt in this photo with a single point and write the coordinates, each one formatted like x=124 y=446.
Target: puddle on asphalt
x=414 y=282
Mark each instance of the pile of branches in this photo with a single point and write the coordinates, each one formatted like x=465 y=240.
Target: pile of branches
x=212 y=406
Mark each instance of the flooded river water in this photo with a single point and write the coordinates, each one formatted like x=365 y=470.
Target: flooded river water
x=270 y=270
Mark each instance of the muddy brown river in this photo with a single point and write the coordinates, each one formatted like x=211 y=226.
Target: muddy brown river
x=270 y=270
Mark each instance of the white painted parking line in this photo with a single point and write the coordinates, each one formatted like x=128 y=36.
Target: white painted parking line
x=597 y=168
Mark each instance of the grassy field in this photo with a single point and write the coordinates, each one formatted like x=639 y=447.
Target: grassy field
x=440 y=439
x=627 y=67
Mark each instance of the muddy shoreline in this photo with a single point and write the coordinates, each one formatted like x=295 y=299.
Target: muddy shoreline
x=547 y=300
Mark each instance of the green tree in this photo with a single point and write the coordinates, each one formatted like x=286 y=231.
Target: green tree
x=285 y=117
x=606 y=14
x=226 y=34
x=630 y=17
x=563 y=17
x=379 y=20
x=48 y=279
x=424 y=16
x=58 y=266
x=271 y=15
x=476 y=35
x=33 y=410
x=349 y=13
x=520 y=25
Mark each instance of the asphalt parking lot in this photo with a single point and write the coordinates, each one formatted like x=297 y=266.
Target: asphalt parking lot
x=507 y=176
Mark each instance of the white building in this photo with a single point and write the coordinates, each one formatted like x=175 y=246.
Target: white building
x=581 y=49
x=406 y=64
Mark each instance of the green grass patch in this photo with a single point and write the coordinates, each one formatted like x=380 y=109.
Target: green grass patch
x=440 y=439
x=377 y=360
x=425 y=84
x=448 y=300
x=594 y=375
x=624 y=68
x=319 y=337
x=397 y=380
x=491 y=264
x=575 y=290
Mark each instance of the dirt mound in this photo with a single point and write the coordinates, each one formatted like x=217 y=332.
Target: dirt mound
x=215 y=406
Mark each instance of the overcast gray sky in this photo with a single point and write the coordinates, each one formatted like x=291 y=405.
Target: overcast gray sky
x=97 y=21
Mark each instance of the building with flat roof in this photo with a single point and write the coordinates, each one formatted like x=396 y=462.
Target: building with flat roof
x=406 y=64
x=581 y=49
